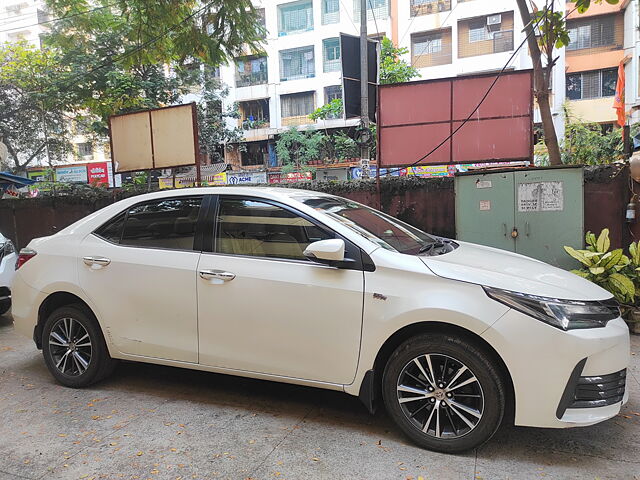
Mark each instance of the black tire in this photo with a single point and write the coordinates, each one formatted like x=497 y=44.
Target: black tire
x=5 y=306
x=99 y=364
x=486 y=395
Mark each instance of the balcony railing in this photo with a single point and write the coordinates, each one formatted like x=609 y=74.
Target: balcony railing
x=502 y=41
x=249 y=79
x=422 y=7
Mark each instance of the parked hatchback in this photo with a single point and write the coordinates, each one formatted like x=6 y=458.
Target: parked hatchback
x=313 y=289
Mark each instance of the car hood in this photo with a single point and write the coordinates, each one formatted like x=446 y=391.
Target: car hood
x=501 y=269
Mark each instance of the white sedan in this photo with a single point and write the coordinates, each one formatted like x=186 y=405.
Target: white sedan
x=313 y=289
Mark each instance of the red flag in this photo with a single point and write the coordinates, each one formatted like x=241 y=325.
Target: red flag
x=618 y=102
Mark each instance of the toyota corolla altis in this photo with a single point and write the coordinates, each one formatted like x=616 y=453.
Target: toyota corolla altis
x=313 y=289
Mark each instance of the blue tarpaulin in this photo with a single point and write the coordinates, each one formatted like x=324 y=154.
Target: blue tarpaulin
x=7 y=179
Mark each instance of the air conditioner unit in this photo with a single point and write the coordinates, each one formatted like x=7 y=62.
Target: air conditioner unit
x=494 y=19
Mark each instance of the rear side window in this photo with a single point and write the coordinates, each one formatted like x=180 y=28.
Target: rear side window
x=112 y=230
x=166 y=223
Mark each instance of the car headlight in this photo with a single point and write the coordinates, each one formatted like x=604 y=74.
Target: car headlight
x=563 y=314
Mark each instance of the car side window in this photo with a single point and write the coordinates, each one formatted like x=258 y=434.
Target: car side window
x=260 y=229
x=165 y=223
x=112 y=230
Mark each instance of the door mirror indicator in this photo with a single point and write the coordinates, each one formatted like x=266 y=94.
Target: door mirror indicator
x=329 y=252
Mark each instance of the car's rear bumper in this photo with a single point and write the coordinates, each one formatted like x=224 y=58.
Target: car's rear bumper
x=545 y=364
x=24 y=309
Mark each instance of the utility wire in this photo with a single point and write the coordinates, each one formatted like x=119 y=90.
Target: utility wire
x=54 y=19
x=135 y=50
x=484 y=97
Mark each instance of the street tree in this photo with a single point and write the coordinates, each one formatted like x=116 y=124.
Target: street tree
x=33 y=123
x=392 y=68
x=128 y=55
x=550 y=34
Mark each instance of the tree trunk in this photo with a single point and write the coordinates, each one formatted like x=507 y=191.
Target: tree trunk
x=540 y=87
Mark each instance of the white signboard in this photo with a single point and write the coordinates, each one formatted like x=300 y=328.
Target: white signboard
x=246 y=177
x=76 y=174
x=540 y=197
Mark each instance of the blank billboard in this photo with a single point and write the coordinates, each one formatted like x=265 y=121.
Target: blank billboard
x=154 y=139
x=415 y=117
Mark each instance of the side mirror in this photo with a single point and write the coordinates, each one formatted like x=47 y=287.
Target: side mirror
x=326 y=251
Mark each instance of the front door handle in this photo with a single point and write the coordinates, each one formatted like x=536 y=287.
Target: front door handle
x=94 y=261
x=217 y=274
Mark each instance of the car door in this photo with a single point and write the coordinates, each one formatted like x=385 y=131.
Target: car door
x=263 y=307
x=139 y=270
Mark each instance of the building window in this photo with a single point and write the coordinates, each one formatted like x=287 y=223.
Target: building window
x=483 y=35
x=334 y=92
x=295 y=17
x=330 y=11
x=425 y=7
x=251 y=71
x=591 y=32
x=595 y=84
x=331 y=55
x=85 y=149
x=297 y=63
x=254 y=114
x=297 y=104
x=376 y=9
x=255 y=153
x=431 y=48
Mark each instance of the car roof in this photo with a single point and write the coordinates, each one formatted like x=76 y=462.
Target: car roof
x=266 y=192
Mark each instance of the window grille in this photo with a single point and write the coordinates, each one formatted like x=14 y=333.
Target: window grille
x=330 y=11
x=297 y=104
x=331 y=55
x=431 y=48
x=378 y=9
x=425 y=7
x=297 y=63
x=295 y=18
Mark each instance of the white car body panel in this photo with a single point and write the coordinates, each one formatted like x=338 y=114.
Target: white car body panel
x=224 y=328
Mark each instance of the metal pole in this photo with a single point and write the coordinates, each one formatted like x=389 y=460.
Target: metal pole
x=364 y=87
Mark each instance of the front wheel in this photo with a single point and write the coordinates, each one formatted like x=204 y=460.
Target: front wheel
x=444 y=393
x=73 y=347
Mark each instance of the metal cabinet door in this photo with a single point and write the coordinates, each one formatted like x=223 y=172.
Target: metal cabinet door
x=549 y=208
x=484 y=209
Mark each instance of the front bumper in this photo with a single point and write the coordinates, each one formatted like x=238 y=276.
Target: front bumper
x=546 y=365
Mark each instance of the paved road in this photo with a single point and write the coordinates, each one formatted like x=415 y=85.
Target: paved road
x=164 y=423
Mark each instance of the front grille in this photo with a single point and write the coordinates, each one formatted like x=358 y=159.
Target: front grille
x=599 y=391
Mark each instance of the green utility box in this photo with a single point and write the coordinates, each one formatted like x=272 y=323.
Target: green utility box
x=534 y=212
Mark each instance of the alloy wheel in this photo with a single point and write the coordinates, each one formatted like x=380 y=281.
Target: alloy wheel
x=70 y=347
x=440 y=396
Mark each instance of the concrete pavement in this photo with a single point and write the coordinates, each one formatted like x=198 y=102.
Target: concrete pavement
x=157 y=422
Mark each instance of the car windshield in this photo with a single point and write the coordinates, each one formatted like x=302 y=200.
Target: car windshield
x=373 y=225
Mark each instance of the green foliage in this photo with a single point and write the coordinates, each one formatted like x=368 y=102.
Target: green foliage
x=392 y=68
x=612 y=270
x=344 y=146
x=333 y=109
x=32 y=115
x=585 y=143
x=296 y=149
x=127 y=45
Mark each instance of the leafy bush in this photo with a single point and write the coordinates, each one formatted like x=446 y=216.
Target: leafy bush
x=612 y=270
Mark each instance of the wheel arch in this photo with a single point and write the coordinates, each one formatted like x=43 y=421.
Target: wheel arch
x=371 y=388
x=51 y=303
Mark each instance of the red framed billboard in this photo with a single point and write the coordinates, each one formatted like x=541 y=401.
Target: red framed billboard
x=415 y=117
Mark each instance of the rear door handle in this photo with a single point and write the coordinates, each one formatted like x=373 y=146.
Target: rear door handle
x=102 y=261
x=217 y=274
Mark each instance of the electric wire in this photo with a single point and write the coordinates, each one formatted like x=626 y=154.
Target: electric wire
x=58 y=19
x=117 y=58
x=484 y=97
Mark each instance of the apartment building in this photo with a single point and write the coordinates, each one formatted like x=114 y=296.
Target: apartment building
x=22 y=20
x=300 y=68
x=592 y=57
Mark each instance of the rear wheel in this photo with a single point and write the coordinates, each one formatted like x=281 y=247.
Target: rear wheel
x=444 y=393
x=73 y=347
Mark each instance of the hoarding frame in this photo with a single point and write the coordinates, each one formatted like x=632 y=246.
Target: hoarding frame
x=452 y=120
x=196 y=147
